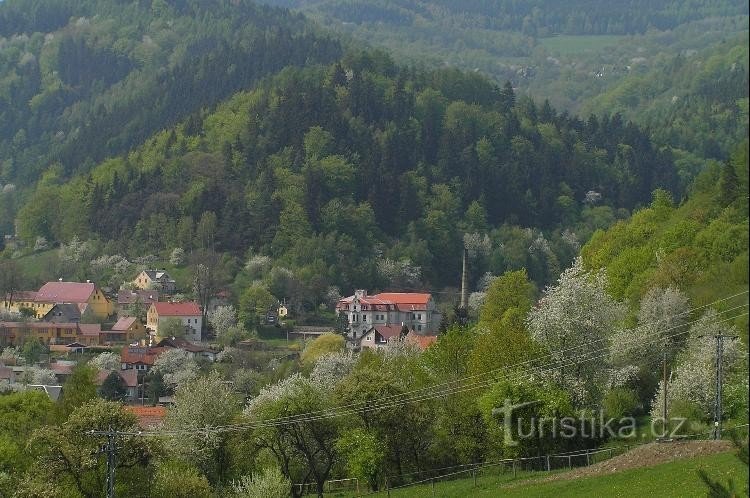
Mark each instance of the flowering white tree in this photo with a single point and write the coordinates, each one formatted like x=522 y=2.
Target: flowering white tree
x=13 y=354
x=400 y=273
x=177 y=367
x=270 y=483
x=177 y=256
x=257 y=265
x=662 y=315
x=106 y=361
x=203 y=403
x=574 y=321
x=332 y=367
x=222 y=319
x=694 y=378
x=476 y=300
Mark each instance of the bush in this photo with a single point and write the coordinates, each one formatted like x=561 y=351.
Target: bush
x=268 y=484
x=621 y=402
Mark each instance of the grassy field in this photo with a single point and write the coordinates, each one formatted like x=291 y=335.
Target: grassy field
x=678 y=479
x=566 y=45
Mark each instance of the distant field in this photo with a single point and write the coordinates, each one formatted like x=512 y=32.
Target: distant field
x=674 y=479
x=567 y=45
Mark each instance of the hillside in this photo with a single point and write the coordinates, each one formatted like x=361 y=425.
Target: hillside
x=566 y=52
x=82 y=80
x=330 y=170
x=700 y=246
x=695 y=102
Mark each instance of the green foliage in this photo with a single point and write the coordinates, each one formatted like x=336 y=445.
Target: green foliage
x=363 y=454
x=78 y=389
x=175 y=479
x=510 y=291
x=620 y=402
x=113 y=388
x=324 y=344
x=700 y=247
x=171 y=327
x=20 y=414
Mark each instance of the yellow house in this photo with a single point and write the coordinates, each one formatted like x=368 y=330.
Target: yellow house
x=85 y=295
x=155 y=279
x=15 y=333
x=128 y=329
x=19 y=299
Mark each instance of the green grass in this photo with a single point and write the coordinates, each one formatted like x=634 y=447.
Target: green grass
x=677 y=479
x=567 y=45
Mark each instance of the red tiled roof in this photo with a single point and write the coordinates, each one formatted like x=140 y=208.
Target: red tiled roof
x=388 y=331
x=6 y=373
x=124 y=323
x=423 y=341
x=144 y=355
x=65 y=292
x=148 y=416
x=61 y=369
x=177 y=309
x=92 y=329
x=404 y=301
x=129 y=377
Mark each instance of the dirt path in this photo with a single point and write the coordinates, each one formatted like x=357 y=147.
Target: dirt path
x=646 y=455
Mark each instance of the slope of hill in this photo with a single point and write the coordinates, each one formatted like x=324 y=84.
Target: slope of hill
x=694 y=102
x=564 y=51
x=81 y=80
x=319 y=167
x=700 y=247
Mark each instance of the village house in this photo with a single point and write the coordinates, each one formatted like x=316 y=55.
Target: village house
x=189 y=313
x=128 y=329
x=378 y=336
x=16 y=333
x=195 y=350
x=127 y=297
x=129 y=380
x=149 y=417
x=14 y=303
x=85 y=295
x=139 y=358
x=155 y=280
x=416 y=311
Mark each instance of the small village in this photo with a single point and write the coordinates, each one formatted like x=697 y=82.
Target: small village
x=64 y=323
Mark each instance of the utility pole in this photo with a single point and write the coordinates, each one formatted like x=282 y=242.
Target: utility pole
x=664 y=391
x=110 y=448
x=719 y=375
x=465 y=280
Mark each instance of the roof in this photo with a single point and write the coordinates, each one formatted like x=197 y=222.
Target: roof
x=63 y=312
x=22 y=296
x=129 y=377
x=6 y=373
x=91 y=329
x=177 y=309
x=61 y=369
x=148 y=416
x=124 y=323
x=423 y=341
x=158 y=275
x=388 y=331
x=144 y=355
x=146 y=296
x=65 y=292
x=404 y=301
x=182 y=343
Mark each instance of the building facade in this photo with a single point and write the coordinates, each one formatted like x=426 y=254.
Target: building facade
x=416 y=311
x=188 y=313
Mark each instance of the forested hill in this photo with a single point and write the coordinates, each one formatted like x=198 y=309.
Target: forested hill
x=691 y=101
x=81 y=80
x=531 y=17
x=327 y=170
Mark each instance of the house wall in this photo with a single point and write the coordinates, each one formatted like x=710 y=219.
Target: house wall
x=100 y=306
x=193 y=323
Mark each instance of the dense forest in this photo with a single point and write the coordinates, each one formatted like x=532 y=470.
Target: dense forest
x=84 y=80
x=532 y=17
x=692 y=102
x=326 y=169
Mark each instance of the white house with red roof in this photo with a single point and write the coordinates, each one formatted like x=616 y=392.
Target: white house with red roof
x=416 y=311
x=188 y=312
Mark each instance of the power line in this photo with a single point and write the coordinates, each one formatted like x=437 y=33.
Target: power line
x=336 y=412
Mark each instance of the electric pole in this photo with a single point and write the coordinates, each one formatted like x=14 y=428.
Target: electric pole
x=719 y=375
x=664 y=391
x=110 y=448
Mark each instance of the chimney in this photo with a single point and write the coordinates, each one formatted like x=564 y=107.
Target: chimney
x=465 y=280
x=59 y=279
x=88 y=281
x=360 y=293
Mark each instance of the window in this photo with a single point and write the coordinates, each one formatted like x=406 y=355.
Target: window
x=419 y=327
x=419 y=316
x=364 y=318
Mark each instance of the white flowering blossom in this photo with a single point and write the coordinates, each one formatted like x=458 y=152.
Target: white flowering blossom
x=476 y=300
x=401 y=273
x=291 y=386
x=106 y=361
x=477 y=244
x=571 y=239
x=662 y=316
x=222 y=319
x=11 y=354
x=270 y=483
x=621 y=377
x=40 y=244
x=574 y=321
x=75 y=251
x=257 y=265
x=694 y=377
x=177 y=366
x=332 y=367
x=177 y=257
